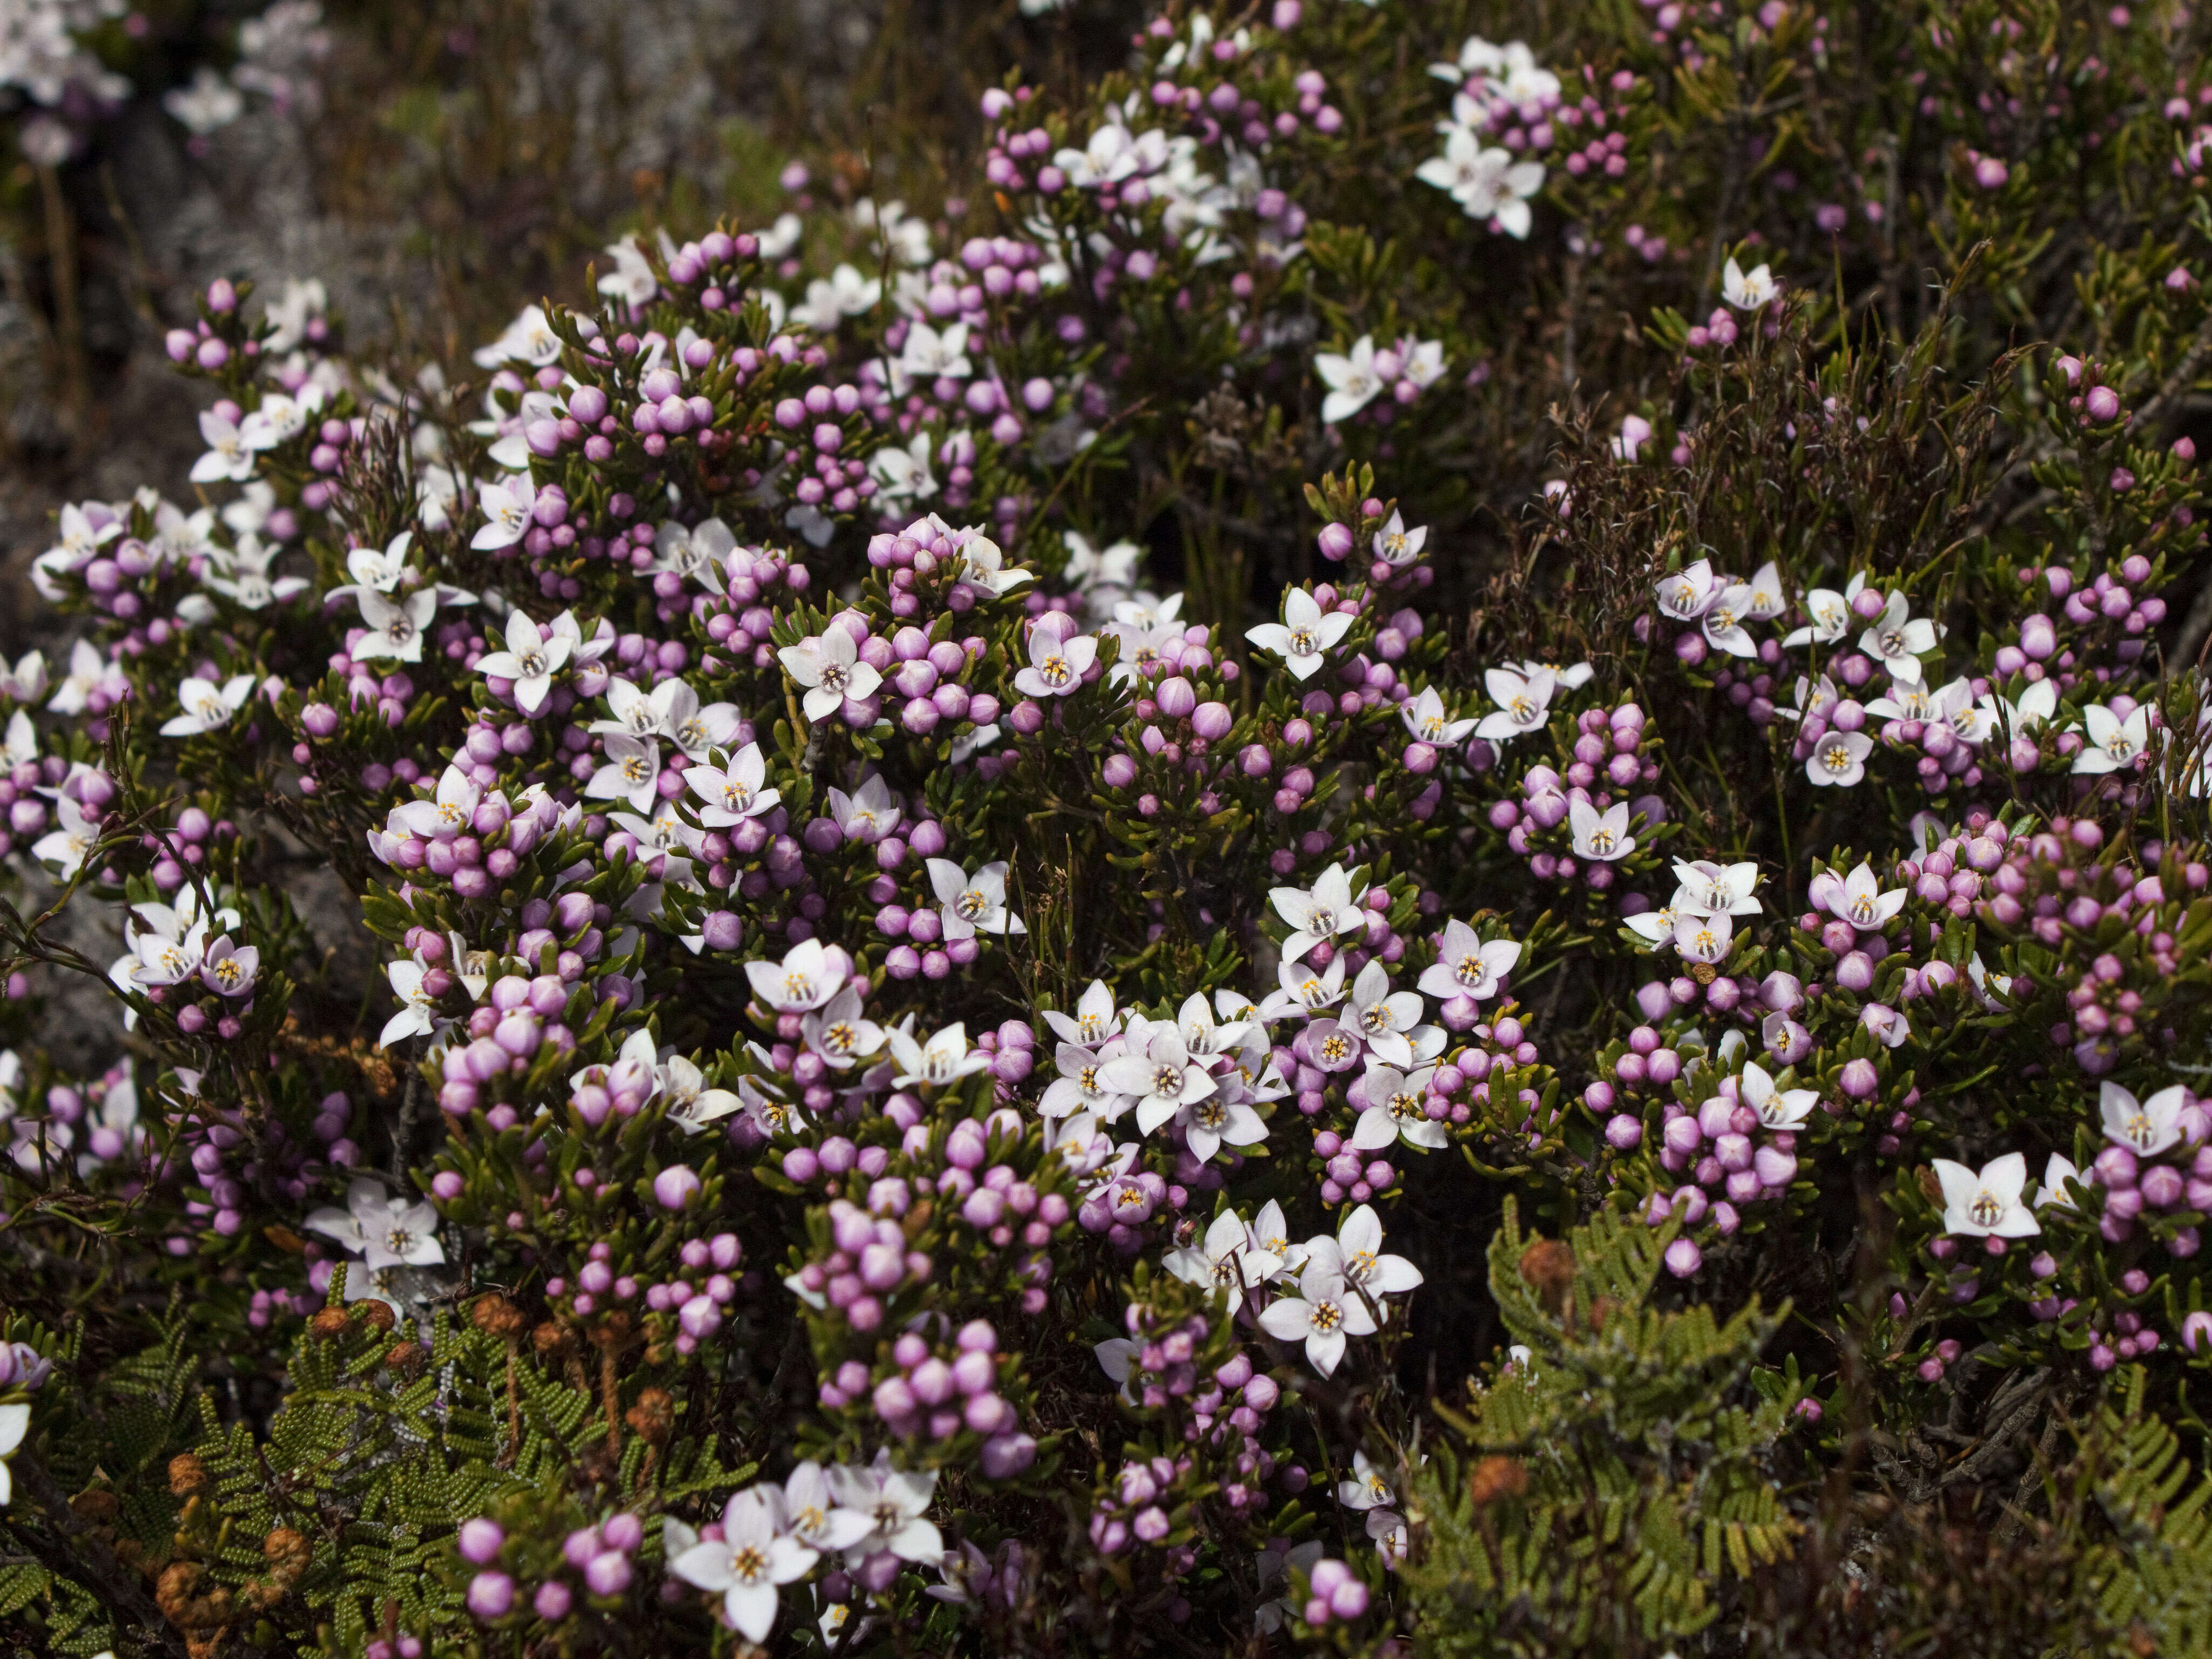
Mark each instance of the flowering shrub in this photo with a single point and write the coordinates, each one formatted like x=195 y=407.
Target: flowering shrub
x=995 y=847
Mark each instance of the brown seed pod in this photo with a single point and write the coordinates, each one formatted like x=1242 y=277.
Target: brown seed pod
x=495 y=1316
x=1548 y=1264
x=406 y=1358
x=652 y=1417
x=330 y=1322
x=287 y=1553
x=188 y=1476
x=98 y=1506
x=554 y=1340
x=178 y=1595
x=376 y=1315
x=614 y=1332
x=1497 y=1477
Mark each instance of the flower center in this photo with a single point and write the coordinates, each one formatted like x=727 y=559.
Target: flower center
x=2140 y=1130
x=1522 y=710
x=533 y=662
x=1375 y=1018
x=399 y=1240
x=227 y=971
x=1326 y=1316
x=1405 y=1107
x=1836 y=758
x=1209 y=1114
x=1432 y=727
x=1304 y=643
x=839 y=1038
x=1601 y=842
x=1087 y=1079
x=634 y=769
x=1054 y=670
x=1862 y=912
x=736 y=798
x=971 y=905
x=1470 y=971
x=1986 y=1210
x=749 y=1563
x=1167 y=1080
x=1336 y=1048
x=1091 y=1027
x=797 y=988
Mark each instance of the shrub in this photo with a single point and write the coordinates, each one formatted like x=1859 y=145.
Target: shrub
x=743 y=1027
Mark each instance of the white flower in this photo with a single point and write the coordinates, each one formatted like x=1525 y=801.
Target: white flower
x=1778 y=1109
x=1705 y=888
x=805 y=978
x=1162 y=1077
x=1227 y=1259
x=1303 y=990
x=416 y=1016
x=815 y=1516
x=929 y=355
x=14 y=1423
x=1467 y=965
x=1723 y=621
x=691 y=1105
x=1424 y=717
x=1987 y=1205
x=1367 y=1489
x=70 y=841
x=245 y=581
x=1056 y=666
x=1357 y=1253
x=1889 y=1027
x=227 y=458
x=1397 y=1109
x=829 y=668
x=1094 y=1020
x=1523 y=703
x=1953 y=706
x=395 y=630
x=507 y=513
x=895 y=1503
x=1899 y=639
x=1383 y=1017
x=1304 y=634
x=631 y=281
x=1081 y=1086
x=2146 y=1129
x=386 y=1231
x=869 y=813
x=1394 y=544
x=1748 y=290
x=1317 y=913
x=732 y=795
x=529 y=337
x=1322 y=1315
x=631 y=772
x=1839 y=759
x=972 y=906
x=945 y=1058
x=1766 y=601
x=208 y=706
x=87 y=669
x=1830 y=615
x=838 y=1033
x=2113 y=741
x=1351 y=380
x=2055 y=1174
x=845 y=294
x=280 y=418
x=2029 y=715
x=754 y=1558
x=1486 y=181
x=1602 y=836
x=228 y=969
x=1688 y=593
x=532 y=657
x=1701 y=938
x=1859 y=899
x=902 y=474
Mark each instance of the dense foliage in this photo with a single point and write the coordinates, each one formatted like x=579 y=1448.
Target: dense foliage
x=1409 y=856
